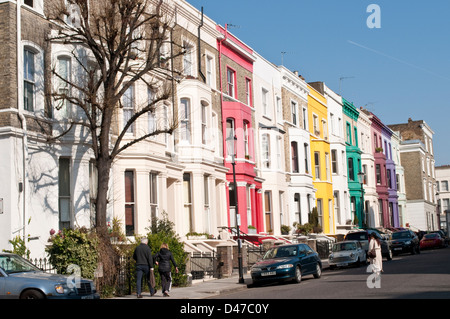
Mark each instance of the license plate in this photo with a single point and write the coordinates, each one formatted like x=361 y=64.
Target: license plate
x=87 y=297
x=342 y=264
x=397 y=248
x=269 y=273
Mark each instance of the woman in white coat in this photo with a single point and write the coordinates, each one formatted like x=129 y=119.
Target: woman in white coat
x=376 y=262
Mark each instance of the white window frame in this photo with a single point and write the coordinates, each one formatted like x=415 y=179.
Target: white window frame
x=64 y=105
x=185 y=120
x=128 y=108
x=189 y=59
x=265 y=102
x=151 y=114
x=265 y=149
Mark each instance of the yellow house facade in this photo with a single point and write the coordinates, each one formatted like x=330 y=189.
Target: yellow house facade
x=321 y=159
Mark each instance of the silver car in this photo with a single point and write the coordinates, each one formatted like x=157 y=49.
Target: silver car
x=20 y=279
x=347 y=253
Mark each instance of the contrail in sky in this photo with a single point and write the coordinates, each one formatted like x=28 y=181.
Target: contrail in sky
x=396 y=59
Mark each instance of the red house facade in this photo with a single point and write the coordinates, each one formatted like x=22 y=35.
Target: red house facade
x=236 y=75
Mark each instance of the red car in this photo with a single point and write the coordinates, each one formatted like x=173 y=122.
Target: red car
x=432 y=240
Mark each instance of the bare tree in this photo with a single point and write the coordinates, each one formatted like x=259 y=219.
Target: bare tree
x=115 y=43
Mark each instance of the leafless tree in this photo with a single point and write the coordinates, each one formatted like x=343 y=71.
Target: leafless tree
x=115 y=43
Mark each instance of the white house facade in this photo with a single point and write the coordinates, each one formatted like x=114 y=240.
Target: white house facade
x=297 y=145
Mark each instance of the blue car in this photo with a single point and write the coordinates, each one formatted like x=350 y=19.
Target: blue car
x=20 y=279
x=287 y=262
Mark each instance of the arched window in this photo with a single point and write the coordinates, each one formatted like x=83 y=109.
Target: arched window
x=29 y=79
x=33 y=77
x=230 y=135
x=63 y=81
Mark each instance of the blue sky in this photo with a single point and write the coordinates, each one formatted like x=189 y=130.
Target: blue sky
x=398 y=71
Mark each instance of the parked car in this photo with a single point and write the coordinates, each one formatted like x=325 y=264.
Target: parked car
x=432 y=240
x=363 y=237
x=20 y=279
x=347 y=253
x=287 y=262
x=405 y=241
x=444 y=236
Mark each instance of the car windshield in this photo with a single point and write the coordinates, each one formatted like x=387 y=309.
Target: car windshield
x=401 y=235
x=344 y=246
x=356 y=236
x=431 y=236
x=13 y=263
x=279 y=252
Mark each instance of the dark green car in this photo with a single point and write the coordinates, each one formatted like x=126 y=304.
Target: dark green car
x=287 y=262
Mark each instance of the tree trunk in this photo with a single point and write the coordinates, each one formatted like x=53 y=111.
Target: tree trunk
x=103 y=169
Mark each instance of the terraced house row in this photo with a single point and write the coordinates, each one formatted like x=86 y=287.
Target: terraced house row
x=291 y=145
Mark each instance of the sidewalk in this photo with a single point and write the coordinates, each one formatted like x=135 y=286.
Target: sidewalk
x=201 y=289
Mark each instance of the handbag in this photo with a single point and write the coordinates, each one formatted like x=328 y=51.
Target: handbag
x=152 y=279
x=371 y=254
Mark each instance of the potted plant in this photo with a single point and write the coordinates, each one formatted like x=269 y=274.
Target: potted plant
x=285 y=229
x=251 y=229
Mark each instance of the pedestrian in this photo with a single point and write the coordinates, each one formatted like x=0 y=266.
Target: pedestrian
x=144 y=266
x=374 y=253
x=163 y=259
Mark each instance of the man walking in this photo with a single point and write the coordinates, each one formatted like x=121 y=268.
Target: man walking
x=144 y=265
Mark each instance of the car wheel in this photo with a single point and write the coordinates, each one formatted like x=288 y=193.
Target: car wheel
x=318 y=272
x=32 y=294
x=298 y=275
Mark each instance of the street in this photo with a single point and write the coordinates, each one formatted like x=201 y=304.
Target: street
x=423 y=276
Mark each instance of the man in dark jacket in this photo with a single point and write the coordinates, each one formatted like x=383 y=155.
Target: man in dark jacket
x=144 y=265
x=163 y=259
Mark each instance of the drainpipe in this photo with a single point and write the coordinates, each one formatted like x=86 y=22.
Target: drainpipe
x=20 y=113
x=199 y=53
x=221 y=86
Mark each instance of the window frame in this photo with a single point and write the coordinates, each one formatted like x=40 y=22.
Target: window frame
x=29 y=78
x=185 y=120
x=231 y=82
x=128 y=108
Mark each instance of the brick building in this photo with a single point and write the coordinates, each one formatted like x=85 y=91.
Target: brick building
x=417 y=158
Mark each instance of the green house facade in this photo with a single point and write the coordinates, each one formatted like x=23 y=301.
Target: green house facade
x=356 y=191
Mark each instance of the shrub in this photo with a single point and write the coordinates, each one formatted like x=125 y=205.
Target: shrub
x=74 y=246
x=19 y=247
x=162 y=231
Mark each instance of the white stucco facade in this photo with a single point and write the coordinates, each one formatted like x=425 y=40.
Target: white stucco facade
x=270 y=140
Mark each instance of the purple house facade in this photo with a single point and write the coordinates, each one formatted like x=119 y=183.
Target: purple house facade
x=385 y=174
x=392 y=208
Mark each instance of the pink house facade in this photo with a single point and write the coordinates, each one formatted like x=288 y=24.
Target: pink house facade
x=236 y=89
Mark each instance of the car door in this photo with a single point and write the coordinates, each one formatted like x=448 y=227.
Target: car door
x=309 y=259
x=361 y=252
x=2 y=284
x=4 y=280
x=302 y=258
